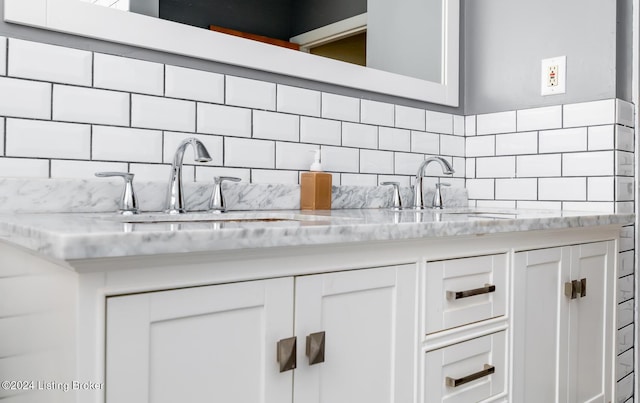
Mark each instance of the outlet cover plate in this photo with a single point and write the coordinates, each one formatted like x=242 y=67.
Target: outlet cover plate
x=561 y=77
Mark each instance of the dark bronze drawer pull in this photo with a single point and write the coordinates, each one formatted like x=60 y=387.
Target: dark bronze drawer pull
x=454 y=383
x=286 y=349
x=470 y=293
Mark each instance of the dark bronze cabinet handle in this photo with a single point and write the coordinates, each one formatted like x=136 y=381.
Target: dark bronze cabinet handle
x=315 y=347
x=287 y=352
x=454 y=383
x=470 y=293
x=576 y=288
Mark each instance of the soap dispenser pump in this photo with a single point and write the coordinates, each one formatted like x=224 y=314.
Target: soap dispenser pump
x=315 y=186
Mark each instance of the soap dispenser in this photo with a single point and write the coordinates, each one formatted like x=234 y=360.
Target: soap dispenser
x=315 y=187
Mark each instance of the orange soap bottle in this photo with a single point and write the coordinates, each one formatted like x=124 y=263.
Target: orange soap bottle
x=315 y=187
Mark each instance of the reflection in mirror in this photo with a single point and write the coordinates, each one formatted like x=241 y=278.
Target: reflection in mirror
x=403 y=36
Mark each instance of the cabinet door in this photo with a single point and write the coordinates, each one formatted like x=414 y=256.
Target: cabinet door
x=203 y=344
x=369 y=321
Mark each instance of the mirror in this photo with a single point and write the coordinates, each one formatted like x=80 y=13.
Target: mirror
x=411 y=46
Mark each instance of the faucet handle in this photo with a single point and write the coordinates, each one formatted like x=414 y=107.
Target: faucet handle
x=437 y=197
x=128 y=200
x=217 y=205
x=397 y=202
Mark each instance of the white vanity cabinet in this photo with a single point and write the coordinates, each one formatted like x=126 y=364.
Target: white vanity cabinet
x=219 y=342
x=563 y=324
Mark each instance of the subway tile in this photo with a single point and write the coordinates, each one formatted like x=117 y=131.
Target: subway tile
x=458 y=125
x=627 y=238
x=376 y=162
x=495 y=123
x=25 y=99
x=295 y=156
x=299 y=101
x=273 y=176
x=3 y=56
x=496 y=167
x=549 y=117
x=539 y=165
x=339 y=159
x=141 y=145
x=454 y=182
x=600 y=188
x=335 y=178
x=195 y=85
x=163 y=113
x=517 y=143
x=276 y=126
x=625 y=339
x=359 y=180
x=158 y=172
x=481 y=188
x=85 y=169
x=625 y=314
x=516 y=189
x=470 y=167
x=340 y=107
x=438 y=122
x=410 y=118
x=320 y=131
x=407 y=163
x=624 y=163
x=172 y=140
x=376 y=113
x=624 y=189
x=206 y=174
x=625 y=263
x=428 y=143
x=359 y=135
x=589 y=113
x=2 y=136
x=625 y=288
x=394 y=139
x=594 y=163
x=538 y=205
x=600 y=137
x=624 y=138
x=480 y=146
x=459 y=166
x=624 y=364
x=598 y=207
x=504 y=204
x=24 y=168
x=250 y=93
x=452 y=145
x=624 y=113
x=44 y=62
x=89 y=105
x=470 y=125
x=562 y=189
x=624 y=207
x=125 y=74
x=46 y=139
x=403 y=181
x=554 y=141
x=225 y=120
x=249 y=153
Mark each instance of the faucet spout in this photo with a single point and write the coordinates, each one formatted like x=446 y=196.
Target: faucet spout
x=175 y=195
x=418 y=192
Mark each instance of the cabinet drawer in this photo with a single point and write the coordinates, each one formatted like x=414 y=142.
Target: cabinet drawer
x=462 y=291
x=471 y=371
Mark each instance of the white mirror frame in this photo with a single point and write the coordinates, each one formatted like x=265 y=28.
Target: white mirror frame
x=89 y=20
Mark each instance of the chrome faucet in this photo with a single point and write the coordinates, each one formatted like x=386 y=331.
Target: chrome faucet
x=418 y=196
x=175 y=196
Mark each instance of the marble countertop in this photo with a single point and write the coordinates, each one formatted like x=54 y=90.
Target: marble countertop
x=71 y=236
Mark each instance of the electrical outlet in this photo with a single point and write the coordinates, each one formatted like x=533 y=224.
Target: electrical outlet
x=553 y=80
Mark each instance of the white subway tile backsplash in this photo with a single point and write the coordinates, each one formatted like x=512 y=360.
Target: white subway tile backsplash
x=516 y=189
x=194 y=85
x=554 y=141
x=407 y=164
x=600 y=137
x=528 y=166
x=410 y=118
x=125 y=74
x=624 y=138
x=517 y=143
x=2 y=136
x=625 y=313
x=428 y=143
x=340 y=107
x=595 y=163
x=24 y=168
x=404 y=181
x=624 y=207
x=624 y=163
x=480 y=146
x=538 y=205
x=627 y=240
x=589 y=113
x=276 y=126
x=625 y=338
x=206 y=174
x=624 y=364
x=452 y=145
x=624 y=189
x=625 y=263
x=85 y=169
x=504 y=204
x=295 y=156
x=224 y=120
x=44 y=62
x=549 y=117
x=249 y=153
x=25 y=99
x=562 y=189
x=46 y=139
x=496 y=167
x=470 y=125
x=126 y=144
x=624 y=113
x=376 y=113
x=158 y=173
x=163 y=113
x=602 y=207
x=481 y=188
x=373 y=161
x=600 y=188
x=459 y=166
x=3 y=56
x=394 y=139
x=172 y=140
x=359 y=135
x=494 y=123
x=273 y=176
x=250 y=93
x=320 y=131
x=438 y=122
x=625 y=288
x=359 y=180
x=339 y=159
x=470 y=168
x=88 y=105
x=458 y=125
x=298 y=100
